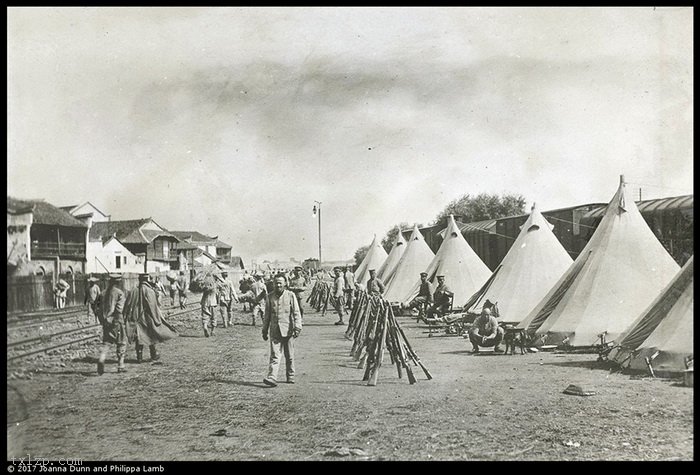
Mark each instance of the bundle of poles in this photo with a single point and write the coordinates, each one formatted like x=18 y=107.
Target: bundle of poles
x=373 y=328
x=320 y=296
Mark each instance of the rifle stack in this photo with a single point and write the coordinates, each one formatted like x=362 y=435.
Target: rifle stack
x=373 y=328
x=320 y=296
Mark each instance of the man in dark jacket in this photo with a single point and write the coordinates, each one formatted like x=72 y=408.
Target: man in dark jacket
x=144 y=319
x=114 y=329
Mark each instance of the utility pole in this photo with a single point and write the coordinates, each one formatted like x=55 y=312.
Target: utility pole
x=319 y=231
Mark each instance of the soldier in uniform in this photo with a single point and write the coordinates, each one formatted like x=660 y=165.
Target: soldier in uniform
x=374 y=285
x=93 y=299
x=424 y=297
x=209 y=305
x=349 y=280
x=144 y=319
x=114 y=330
x=182 y=289
x=227 y=296
x=339 y=295
x=297 y=284
x=260 y=293
x=441 y=299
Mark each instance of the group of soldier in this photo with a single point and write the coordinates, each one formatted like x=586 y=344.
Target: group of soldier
x=128 y=317
x=136 y=317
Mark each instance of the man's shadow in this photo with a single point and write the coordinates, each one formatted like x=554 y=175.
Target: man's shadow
x=235 y=382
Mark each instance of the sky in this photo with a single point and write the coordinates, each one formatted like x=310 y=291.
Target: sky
x=234 y=121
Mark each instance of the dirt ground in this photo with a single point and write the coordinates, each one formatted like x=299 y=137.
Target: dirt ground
x=205 y=401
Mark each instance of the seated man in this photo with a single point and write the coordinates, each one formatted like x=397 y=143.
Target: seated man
x=424 y=297
x=442 y=298
x=486 y=332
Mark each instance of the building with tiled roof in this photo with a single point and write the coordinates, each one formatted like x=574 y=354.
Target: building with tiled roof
x=149 y=242
x=43 y=239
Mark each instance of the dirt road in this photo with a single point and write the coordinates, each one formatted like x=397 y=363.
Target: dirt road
x=205 y=401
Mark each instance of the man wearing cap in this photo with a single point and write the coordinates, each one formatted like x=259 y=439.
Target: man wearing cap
x=182 y=288
x=486 y=332
x=227 y=296
x=144 y=319
x=339 y=295
x=260 y=293
x=349 y=280
x=92 y=299
x=297 y=284
x=209 y=305
x=282 y=324
x=113 y=325
x=441 y=299
x=159 y=288
x=424 y=297
x=374 y=285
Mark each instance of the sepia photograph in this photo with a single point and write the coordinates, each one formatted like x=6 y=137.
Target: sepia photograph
x=348 y=234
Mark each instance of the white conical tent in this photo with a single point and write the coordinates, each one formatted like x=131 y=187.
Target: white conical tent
x=619 y=272
x=534 y=263
x=464 y=271
x=375 y=257
x=663 y=333
x=415 y=259
x=386 y=271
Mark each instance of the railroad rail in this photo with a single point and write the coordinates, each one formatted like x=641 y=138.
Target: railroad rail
x=42 y=340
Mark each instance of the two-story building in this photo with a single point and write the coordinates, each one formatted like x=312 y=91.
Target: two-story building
x=150 y=245
x=43 y=239
x=201 y=250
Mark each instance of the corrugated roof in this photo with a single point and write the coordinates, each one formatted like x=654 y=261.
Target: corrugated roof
x=43 y=213
x=650 y=206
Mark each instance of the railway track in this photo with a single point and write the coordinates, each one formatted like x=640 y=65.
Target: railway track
x=65 y=338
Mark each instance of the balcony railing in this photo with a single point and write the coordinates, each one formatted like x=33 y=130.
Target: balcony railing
x=52 y=249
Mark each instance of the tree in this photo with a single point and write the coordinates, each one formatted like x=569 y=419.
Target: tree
x=482 y=207
x=390 y=237
x=360 y=254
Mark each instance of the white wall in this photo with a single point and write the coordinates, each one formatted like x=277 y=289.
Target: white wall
x=87 y=208
x=107 y=256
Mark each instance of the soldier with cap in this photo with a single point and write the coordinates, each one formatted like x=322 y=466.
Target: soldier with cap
x=338 y=295
x=350 y=285
x=159 y=288
x=374 y=285
x=209 y=305
x=182 y=289
x=93 y=296
x=260 y=293
x=114 y=329
x=227 y=296
x=441 y=299
x=424 y=297
x=297 y=284
x=145 y=320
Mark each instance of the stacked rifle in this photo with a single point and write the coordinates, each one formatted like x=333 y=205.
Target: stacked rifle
x=373 y=328
x=320 y=296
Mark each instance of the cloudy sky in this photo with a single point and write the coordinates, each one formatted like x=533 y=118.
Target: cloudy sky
x=232 y=121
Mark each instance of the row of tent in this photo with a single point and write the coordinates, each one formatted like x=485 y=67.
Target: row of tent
x=623 y=290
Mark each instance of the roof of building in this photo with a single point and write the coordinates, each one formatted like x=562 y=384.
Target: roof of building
x=650 y=206
x=222 y=245
x=194 y=236
x=43 y=213
x=128 y=232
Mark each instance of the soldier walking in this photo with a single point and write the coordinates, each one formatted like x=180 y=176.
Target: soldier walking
x=145 y=320
x=114 y=329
